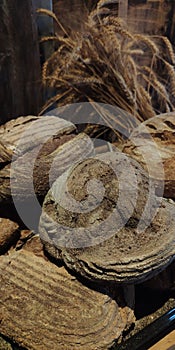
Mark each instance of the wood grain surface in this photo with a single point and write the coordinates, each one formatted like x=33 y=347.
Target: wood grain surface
x=20 y=71
x=167 y=343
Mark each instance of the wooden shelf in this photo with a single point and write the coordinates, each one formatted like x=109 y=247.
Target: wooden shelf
x=167 y=343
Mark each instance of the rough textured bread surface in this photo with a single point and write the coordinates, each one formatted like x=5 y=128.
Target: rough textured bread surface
x=156 y=137
x=107 y=243
x=44 y=307
x=9 y=234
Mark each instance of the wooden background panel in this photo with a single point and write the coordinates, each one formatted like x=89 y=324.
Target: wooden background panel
x=144 y=16
x=71 y=14
x=150 y=17
x=20 y=77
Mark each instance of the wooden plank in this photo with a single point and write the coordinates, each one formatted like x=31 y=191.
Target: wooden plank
x=20 y=90
x=123 y=9
x=167 y=343
x=150 y=17
x=45 y=27
x=71 y=14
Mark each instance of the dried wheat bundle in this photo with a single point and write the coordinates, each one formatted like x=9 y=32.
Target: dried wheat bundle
x=108 y=64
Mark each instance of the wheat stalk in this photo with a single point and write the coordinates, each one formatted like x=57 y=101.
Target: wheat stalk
x=150 y=43
x=168 y=46
x=105 y=3
x=52 y=15
x=101 y=64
